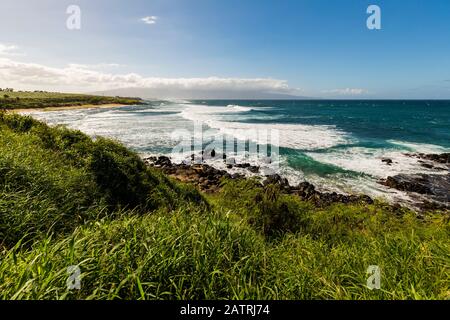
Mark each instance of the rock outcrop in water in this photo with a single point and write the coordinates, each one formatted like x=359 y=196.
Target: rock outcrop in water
x=443 y=158
x=208 y=179
x=433 y=188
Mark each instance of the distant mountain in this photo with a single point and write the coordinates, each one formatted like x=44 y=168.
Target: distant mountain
x=189 y=94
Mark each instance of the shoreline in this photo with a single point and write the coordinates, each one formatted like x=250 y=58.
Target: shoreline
x=75 y=107
x=209 y=180
x=428 y=191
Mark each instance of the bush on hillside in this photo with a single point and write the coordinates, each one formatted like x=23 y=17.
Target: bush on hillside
x=54 y=178
x=267 y=209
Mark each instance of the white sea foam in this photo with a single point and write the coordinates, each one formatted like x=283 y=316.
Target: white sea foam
x=141 y=128
x=295 y=136
x=369 y=161
x=420 y=147
x=240 y=108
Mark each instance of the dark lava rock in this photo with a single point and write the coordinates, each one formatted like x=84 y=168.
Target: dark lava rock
x=208 y=179
x=402 y=182
x=161 y=161
x=236 y=176
x=427 y=165
x=253 y=169
x=278 y=180
x=387 y=161
x=440 y=158
x=242 y=165
x=306 y=190
x=365 y=199
x=443 y=158
x=435 y=186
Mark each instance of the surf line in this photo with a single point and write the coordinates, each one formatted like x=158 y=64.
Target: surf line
x=192 y=310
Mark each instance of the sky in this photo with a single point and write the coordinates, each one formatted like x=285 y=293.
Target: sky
x=311 y=48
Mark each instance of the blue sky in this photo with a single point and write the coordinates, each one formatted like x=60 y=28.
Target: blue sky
x=318 y=48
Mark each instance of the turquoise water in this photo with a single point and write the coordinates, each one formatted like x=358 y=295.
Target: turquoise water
x=338 y=145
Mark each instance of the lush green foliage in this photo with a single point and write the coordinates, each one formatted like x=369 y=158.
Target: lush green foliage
x=267 y=209
x=52 y=179
x=135 y=234
x=27 y=100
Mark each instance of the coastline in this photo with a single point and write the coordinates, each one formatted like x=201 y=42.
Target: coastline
x=428 y=192
x=75 y=107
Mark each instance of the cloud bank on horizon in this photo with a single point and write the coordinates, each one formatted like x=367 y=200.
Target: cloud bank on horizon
x=75 y=77
x=91 y=78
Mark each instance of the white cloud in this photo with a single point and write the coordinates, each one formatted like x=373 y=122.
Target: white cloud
x=347 y=91
x=149 y=19
x=9 y=50
x=85 y=78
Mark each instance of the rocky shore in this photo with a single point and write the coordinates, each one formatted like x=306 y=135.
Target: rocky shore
x=431 y=190
x=208 y=179
x=434 y=187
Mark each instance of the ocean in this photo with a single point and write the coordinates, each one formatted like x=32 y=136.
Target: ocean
x=336 y=145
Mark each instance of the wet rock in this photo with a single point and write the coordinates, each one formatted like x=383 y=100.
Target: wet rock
x=427 y=165
x=408 y=183
x=388 y=161
x=443 y=158
x=435 y=186
x=208 y=179
x=161 y=161
x=307 y=191
x=439 y=158
x=253 y=169
x=236 y=176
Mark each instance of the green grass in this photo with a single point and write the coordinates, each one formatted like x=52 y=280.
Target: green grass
x=27 y=100
x=136 y=234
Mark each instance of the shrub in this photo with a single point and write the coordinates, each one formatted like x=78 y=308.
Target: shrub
x=53 y=179
x=266 y=208
x=121 y=175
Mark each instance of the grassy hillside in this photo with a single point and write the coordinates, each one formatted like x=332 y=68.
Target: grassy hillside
x=136 y=234
x=27 y=100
